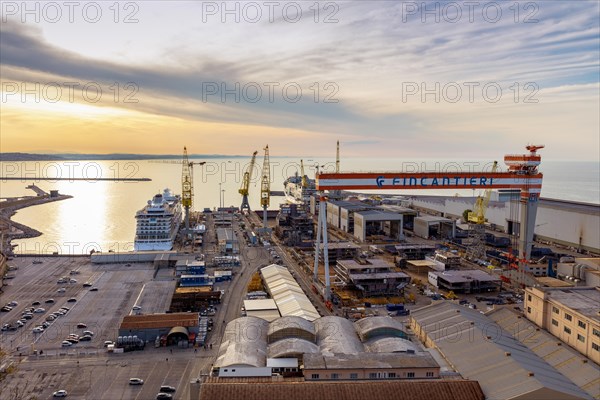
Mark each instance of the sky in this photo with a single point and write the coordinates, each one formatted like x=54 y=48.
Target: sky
x=385 y=78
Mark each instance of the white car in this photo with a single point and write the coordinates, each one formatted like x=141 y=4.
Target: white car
x=39 y=310
x=61 y=290
x=72 y=280
x=66 y=344
x=38 y=329
x=60 y=393
x=137 y=308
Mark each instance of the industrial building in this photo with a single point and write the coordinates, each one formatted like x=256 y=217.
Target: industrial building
x=372 y=277
x=580 y=271
x=568 y=223
x=287 y=294
x=377 y=224
x=227 y=241
x=340 y=214
x=194 y=298
x=329 y=348
x=263 y=308
x=564 y=359
x=216 y=388
x=187 y=267
x=464 y=281
x=130 y=257
x=429 y=226
x=570 y=314
x=480 y=350
x=175 y=326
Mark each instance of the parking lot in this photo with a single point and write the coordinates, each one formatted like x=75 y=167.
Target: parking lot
x=119 y=288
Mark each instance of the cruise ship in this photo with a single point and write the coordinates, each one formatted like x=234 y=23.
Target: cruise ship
x=158 y=223
x=295 y=193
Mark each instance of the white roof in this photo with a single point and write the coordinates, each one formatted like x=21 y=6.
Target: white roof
x=264 y=304
x=287 y=294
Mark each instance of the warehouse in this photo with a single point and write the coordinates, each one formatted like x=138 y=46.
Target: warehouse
x=372 y=277
x=227 y=241
x=481 y=350
x=194 y=298
x=147 y=327
x=371 y=224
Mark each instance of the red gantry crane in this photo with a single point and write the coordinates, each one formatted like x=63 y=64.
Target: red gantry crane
x=522 y=175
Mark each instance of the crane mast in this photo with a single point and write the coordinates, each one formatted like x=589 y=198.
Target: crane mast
x=337 y=158
x=265 y=187
x=244 y=189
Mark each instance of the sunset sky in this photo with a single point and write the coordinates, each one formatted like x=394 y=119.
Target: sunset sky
x=161 y=67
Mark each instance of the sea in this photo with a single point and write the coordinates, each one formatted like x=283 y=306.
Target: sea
x=101 y=214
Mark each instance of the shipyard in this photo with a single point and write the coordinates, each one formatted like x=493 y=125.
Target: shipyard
x=355 y=200
x=211 y=295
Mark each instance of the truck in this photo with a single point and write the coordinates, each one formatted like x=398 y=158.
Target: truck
x=394 y=307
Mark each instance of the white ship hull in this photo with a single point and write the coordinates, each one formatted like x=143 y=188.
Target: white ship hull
x=153 y=246
x=158 y=223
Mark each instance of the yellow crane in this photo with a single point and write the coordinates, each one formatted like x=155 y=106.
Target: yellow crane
x=187 y=186
x=265 y=187
x=477 y=216
x=476 y=219
x=246 y=179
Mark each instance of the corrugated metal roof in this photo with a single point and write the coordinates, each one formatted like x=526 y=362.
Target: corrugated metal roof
x=151 y=321
x=367 y=326
x=261 y=304
x=287 y=294
x=337 y=335
x=389 y=345
x=290 y=346
x=297 y=389
x=566 y=360
x=244 y=343
x=482 y=350
x=267 y=315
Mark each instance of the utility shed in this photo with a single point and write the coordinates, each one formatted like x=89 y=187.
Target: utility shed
x=481 y=350
x=427 y=226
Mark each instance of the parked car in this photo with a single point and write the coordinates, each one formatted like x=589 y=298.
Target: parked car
x=87 y=284
x=85 y=338
x=137 y=308
x=60 y=393
x=108 y=342
x=49 y=301
x=136 y=381
x=36 y=303
x=61 y=290
x=6 y=309
x=72 y=340
x=13 y=304
x=163 y=396
x=81 y=325
x=66 y=343
x=38 y=329
x=89 y=333
x=167 y=389
x=39 y=310
x=94 y=289
x=72 y=300
x=50 y=318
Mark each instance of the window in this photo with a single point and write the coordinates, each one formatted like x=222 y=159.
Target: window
x=410 y=374
x=555 y=310
x=430 y=374
x=373 y=375
x=568 y=317
x=580 y=338
x=392 y=375
x=596 y=332
x=353 y=376
x=595 y=346
x=335 y=376
x=528 y=297
x=314 y=376
x=529 y=310
x=554 y=322
x=567 y=330
x=581 y=324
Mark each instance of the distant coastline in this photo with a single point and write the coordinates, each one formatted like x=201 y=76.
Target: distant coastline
x=115 y=156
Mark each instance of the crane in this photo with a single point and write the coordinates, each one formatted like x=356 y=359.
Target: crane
x=246 y=184
x=304 y=181
x=337 y=158
x=476 y=219
x=477 y=216
x=265 y=187
x=187 y=186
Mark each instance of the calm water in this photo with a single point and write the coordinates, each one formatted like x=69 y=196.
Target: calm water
x=101 y=214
